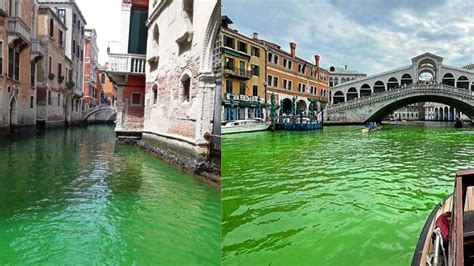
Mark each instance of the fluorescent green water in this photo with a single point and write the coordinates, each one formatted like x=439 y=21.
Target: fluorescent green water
x=336 y=197
x=75 y=198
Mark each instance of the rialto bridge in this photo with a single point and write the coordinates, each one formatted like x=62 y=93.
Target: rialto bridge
x=425 y=80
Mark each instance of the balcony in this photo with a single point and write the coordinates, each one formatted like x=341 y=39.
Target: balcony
x=18 y=33
x=240 y=73
x=127 y=63
x=37 y=51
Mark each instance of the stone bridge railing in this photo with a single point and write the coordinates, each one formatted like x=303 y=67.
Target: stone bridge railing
x=395 y=93
x=86 y=114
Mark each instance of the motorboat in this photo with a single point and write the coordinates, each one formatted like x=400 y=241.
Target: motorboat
x=447 y=237
x=242 y=126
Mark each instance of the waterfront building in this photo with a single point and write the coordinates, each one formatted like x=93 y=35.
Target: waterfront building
x=341 y=75
x=291 y=78
x=409 y=112
x=181 y=118
x=106 y=86
x=92 y=94
x=442 y=112
x=244 y=71
x=54 y=107
x=71 y=16
x=127 y=68
x=19 y=52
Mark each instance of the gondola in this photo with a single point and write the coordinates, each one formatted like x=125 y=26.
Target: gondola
x=448 y=235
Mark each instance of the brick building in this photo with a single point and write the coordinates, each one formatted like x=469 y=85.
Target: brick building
x=244 y=71
x=180 y=112
x=106 y=87
x=19 y=52
x=92 y=95
x=289 y=76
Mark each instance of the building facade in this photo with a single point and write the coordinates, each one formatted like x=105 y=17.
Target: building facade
x=106 y=87
x=341 y=75
x=127 y=69
x=244 y=71
x=181 y=82
x=54 y=107
x=293 y=79
x=70 y=15
x=19 y=51
x=92 y=94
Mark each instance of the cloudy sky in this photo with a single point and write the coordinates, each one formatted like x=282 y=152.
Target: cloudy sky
x=104 y=16
x=368 y=35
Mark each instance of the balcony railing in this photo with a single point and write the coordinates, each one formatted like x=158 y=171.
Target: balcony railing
x=238 y=72
x=18 y=29
x=127 y=63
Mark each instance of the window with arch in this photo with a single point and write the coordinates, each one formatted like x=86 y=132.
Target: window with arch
x=102 y=79
x=155 y=93
x=186 y=87
x=49 y=97
x=51 y=27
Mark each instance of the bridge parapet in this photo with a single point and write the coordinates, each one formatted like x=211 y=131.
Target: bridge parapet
x=411 y=89
x=88 y=113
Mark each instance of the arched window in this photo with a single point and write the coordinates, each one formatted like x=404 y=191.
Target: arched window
x=338 y=97
x=102 y=78
x=365 y=90
x=155 y=93
x=156 y=36
x=51 y=27
x=186 y=87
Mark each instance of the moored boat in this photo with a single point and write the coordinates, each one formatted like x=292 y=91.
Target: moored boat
x=448 y=235
x=242 y=126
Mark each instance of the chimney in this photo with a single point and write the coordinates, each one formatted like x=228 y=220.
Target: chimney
x=316 y=62
x=345 y=67
x=293 y=49
x=255 y=35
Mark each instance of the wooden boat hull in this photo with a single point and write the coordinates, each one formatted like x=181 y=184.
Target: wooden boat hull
x=245 y=128
x=424 y=246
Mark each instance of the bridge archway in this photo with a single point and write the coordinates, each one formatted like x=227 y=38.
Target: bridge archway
x=392 y=83
x=365 y=90
x=352 y=93
x=448 y=79
x=395 y=104
x=463 y=83
x=338 y=97
x=406 y=80
x=379 y=86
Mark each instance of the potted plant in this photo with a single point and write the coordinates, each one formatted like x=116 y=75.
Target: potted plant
x=60 y=79
x=51 y=76
x=70 y=84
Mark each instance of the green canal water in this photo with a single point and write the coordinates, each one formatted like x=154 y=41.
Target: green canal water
x=73 y=197
x=338 y=196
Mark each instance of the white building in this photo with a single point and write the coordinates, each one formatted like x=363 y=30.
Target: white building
x=71 y=16
x=180 y=112
x=341 y=75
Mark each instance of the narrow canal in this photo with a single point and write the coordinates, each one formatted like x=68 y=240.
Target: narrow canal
x=73 y=197
x=338 y=196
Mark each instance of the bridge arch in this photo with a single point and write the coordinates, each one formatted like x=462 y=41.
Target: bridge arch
x=392 y=83
x=352 y=93
x=394 y=104
x=338 y=97
x=448 y=79
x=406 y=80
x=365 y=90
x=463 y=83
x=379 y=86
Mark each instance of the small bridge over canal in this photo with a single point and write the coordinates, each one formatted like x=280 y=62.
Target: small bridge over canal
x=374 y=97
x=100 y=114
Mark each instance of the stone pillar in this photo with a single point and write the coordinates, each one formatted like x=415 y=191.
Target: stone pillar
x=120 y=108
x=207 y=87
